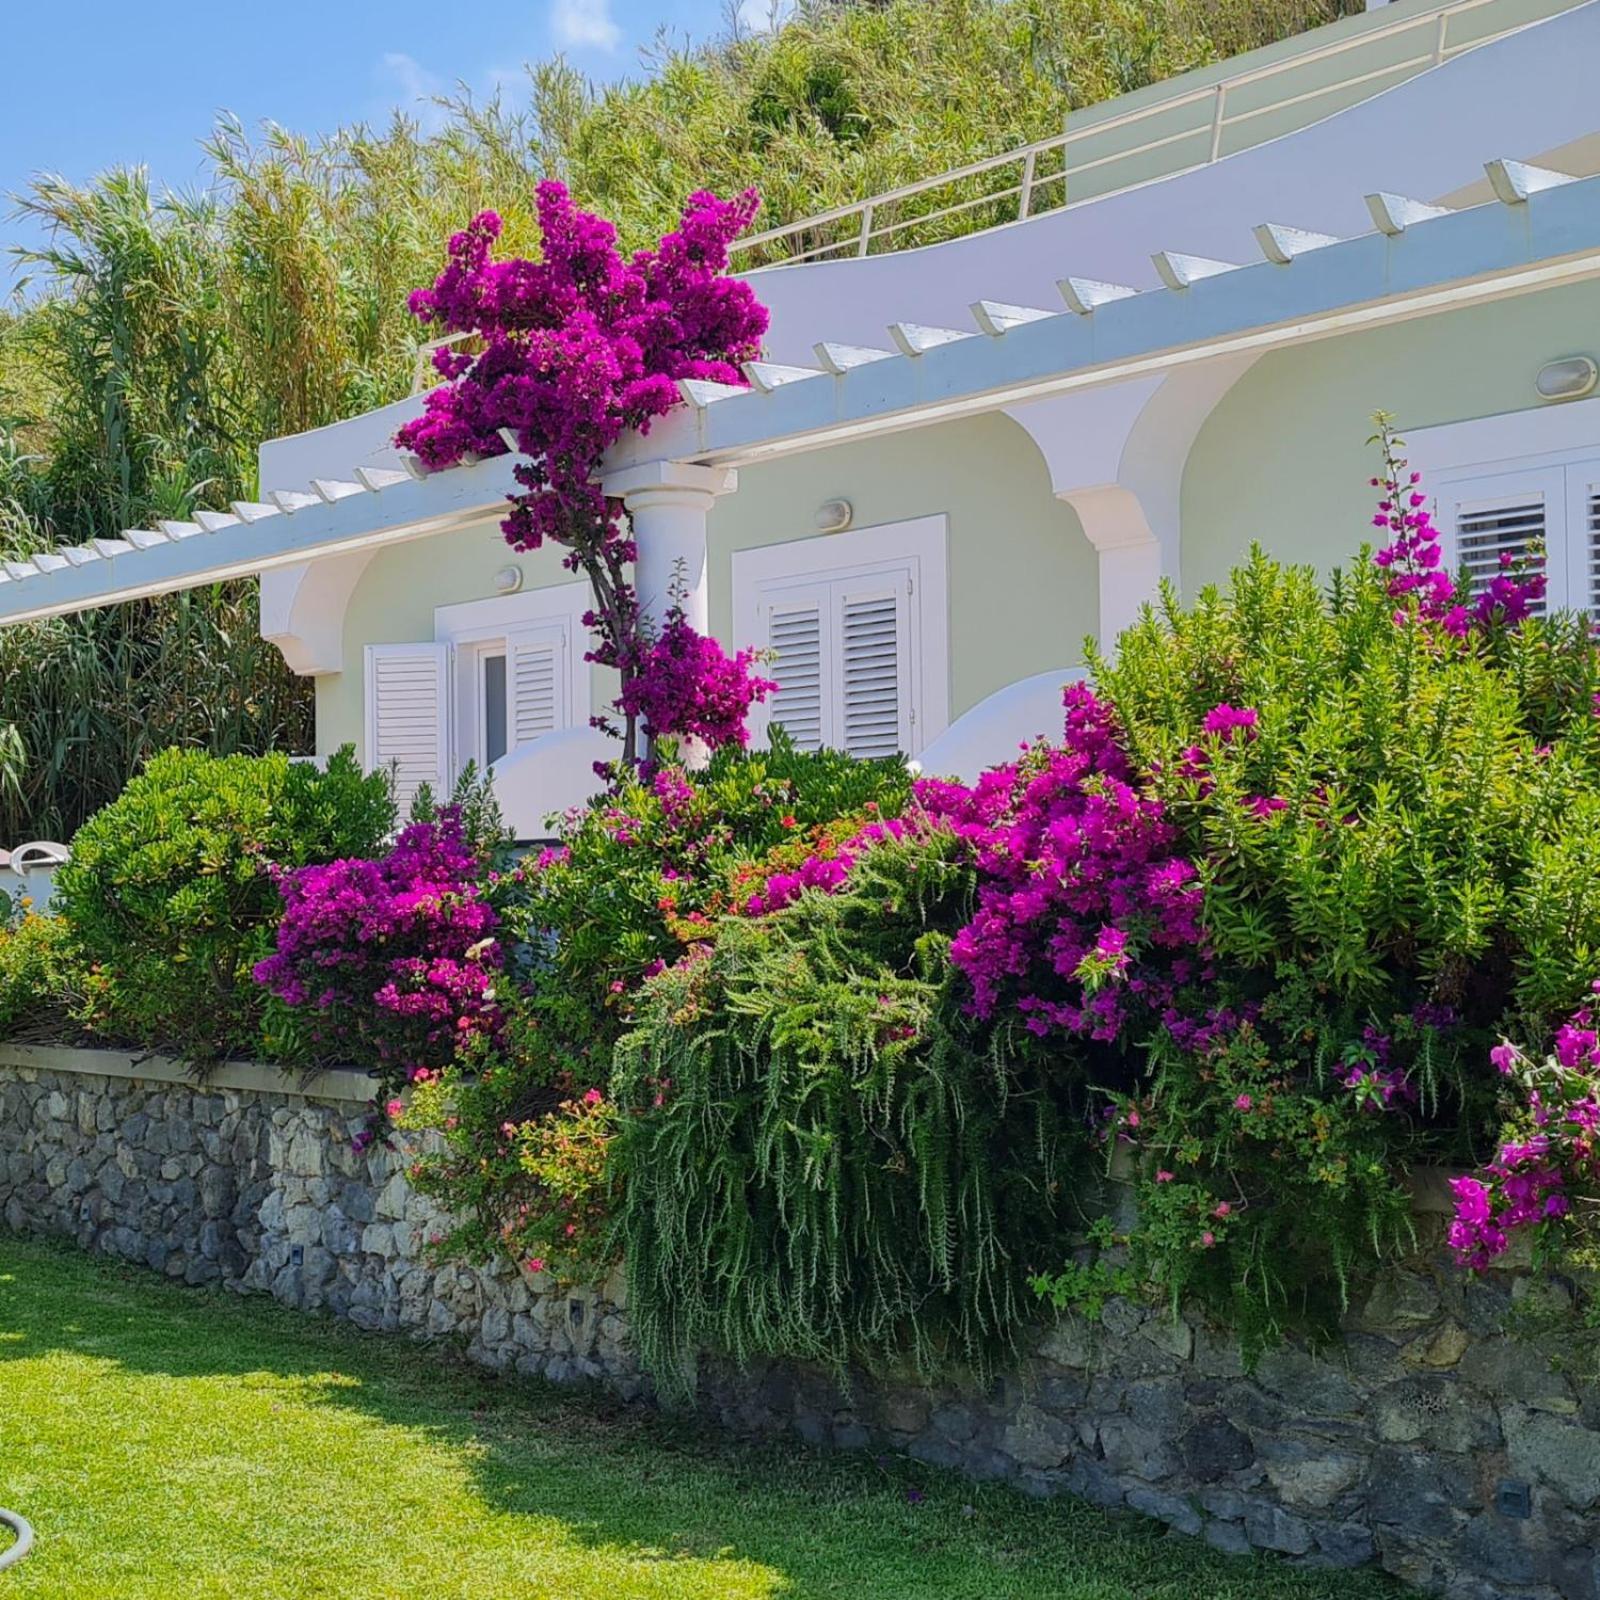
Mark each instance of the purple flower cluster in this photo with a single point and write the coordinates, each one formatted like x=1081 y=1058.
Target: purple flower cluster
x=687 y=686
x=1377 y=1085
x=395 y=958
x=1414 y=558
x=1555 y=1144
x=826 y=869
x=1225 y=721
x=1085 y=916
x=578 y=347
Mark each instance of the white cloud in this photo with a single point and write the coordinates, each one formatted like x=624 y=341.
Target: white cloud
x=413 y=88
x=764 y=16
x=585 y=24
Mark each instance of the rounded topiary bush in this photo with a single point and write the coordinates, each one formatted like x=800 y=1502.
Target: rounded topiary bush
x=169 y=894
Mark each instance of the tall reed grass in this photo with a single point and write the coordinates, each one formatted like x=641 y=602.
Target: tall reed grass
x=158 y=338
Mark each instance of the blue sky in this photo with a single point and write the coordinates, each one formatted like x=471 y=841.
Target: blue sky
x=90 y=84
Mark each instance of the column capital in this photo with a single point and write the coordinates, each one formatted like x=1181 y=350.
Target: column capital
x=653 y=483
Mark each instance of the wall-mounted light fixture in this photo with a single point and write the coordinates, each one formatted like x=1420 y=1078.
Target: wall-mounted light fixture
x=507 y=580
x=834 y=516
x=1570 y=378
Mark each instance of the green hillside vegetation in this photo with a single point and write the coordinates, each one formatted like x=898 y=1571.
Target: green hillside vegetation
x=158 y=338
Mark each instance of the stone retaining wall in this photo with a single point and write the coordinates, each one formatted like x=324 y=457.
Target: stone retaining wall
x=1430 y=1440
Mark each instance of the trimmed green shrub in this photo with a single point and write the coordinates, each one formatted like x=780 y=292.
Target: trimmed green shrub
x=170 y=893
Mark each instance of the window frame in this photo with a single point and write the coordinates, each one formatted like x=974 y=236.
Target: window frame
x=475 y=629
x=917 y=549
x=1555 y=448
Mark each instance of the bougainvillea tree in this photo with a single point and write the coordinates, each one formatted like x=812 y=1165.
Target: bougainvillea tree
x=578 y=347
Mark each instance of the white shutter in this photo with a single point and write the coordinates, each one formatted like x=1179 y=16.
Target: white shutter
x=796 y=636
x=1583 y=510
x=407 y=717
x=873 y=695
x=1505 y=525
x=536 y=683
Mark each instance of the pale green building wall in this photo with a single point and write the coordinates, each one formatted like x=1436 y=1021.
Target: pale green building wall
x=393 y=604
x=1022 y=577
x=1283 y=460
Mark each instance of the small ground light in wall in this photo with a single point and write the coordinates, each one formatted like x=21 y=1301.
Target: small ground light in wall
x=1570 y=378
x=834 y=516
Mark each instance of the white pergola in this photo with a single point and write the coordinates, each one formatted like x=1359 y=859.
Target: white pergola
x=1112 y=386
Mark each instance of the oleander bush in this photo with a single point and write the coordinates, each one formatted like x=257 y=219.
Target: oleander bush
x=170 y=895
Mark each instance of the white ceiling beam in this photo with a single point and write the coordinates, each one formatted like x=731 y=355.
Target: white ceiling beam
x=765 y=376
x=842 y=358
x=996 y=318
x=1514 y=181
x=1178 y=271
x=328 y=490
x=377 y=479
x=1084 y=295
x=1280 y=244
x=914 y=339
x=701 y=392
x=1392 y=214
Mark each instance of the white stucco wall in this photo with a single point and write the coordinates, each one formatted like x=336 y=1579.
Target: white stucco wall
x=1022 y=577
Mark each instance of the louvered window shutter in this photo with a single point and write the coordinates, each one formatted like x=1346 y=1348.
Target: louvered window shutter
x=537 y=683
x=1516 y=522
x=1583 y=496
x=873 y=694
x=407 y=717
x=797 y=636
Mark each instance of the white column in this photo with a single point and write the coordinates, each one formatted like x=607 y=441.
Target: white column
x=669 y=502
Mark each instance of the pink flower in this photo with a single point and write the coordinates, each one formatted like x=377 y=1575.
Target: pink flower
x=1163 y=1176
x=1225 y=721
x=1242 y=1102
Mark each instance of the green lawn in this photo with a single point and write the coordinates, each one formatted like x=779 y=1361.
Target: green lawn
x=167 y=1443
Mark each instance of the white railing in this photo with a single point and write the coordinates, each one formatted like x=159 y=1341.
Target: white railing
x=856 y=228
x=28 y=873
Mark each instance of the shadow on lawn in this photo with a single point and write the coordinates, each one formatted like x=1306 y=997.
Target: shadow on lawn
x=626 y=1477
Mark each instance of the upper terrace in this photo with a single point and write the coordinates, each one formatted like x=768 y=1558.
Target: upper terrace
x=1186 y=122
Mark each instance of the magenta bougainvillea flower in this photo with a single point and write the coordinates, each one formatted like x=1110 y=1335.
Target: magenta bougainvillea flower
x=396 y=957
x=1554 y=1143
x=578 y=347
x=1414 y=557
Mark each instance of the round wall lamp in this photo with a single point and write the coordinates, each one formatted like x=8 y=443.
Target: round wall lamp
x=507 y=580
x=834 y=516
x=1570 y=378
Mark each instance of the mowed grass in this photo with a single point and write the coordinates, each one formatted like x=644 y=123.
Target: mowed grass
x=169 y=1443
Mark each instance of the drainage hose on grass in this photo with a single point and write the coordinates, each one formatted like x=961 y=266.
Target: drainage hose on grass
x=9 y=1558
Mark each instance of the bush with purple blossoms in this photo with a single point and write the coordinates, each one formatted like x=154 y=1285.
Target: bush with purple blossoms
x=389 y=963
